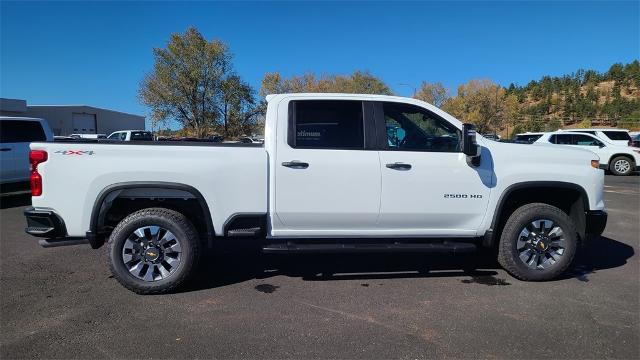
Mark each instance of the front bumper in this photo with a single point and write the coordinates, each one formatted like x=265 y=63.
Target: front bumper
x=45 y=223
x=596 y=222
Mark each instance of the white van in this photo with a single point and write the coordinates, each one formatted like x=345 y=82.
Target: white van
x=16 y=133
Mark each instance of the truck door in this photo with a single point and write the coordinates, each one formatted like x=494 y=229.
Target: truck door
x=327 y=175
x=428 y=188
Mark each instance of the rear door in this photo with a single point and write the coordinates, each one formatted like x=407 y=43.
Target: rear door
x=327 y=173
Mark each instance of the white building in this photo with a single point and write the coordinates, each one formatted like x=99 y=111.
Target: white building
x=74 y=119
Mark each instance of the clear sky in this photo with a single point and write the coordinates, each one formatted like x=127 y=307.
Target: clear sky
x=95 y=53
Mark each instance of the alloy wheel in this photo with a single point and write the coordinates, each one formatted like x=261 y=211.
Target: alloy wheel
x=152 y=253
x=541 y=244
x=622 y=166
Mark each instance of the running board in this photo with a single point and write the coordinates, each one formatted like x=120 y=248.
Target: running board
x=453 y=247
x=49 y=243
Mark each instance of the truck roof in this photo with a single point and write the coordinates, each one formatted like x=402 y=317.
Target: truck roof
x=337 y=95
x=370 y=97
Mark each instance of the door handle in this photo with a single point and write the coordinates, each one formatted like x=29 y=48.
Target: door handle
x=5 y=149
x=399 y=166
x=295 y=164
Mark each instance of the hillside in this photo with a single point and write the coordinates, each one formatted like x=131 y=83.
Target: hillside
x=586 y=96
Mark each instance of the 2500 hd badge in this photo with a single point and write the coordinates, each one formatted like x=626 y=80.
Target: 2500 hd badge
x=463 y=196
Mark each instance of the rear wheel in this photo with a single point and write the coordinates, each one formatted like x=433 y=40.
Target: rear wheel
x=538 y=243
x=621 y=166
x=153 y=250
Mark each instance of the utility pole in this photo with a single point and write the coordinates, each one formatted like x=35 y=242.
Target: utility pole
x=415 y=90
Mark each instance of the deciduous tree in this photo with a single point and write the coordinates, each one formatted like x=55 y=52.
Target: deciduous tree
x=360 y=82
x=433 y=93
x=193 y=83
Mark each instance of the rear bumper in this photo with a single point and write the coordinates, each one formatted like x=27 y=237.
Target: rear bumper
x=596 y=222
x=46 y=224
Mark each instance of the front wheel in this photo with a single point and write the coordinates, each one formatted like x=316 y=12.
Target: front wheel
x=538 y=243
x=621 y=166
x=153 y=250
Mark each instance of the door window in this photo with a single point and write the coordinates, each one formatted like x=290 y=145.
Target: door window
x=114 y=136
x=575 y=139
x=326 y=124
x=585 y=140
x=16 y=131
x=411 y=128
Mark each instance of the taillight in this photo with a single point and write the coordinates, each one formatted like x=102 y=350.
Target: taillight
x=36 y=157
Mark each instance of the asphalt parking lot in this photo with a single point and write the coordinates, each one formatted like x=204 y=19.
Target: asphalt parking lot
x=64 y=303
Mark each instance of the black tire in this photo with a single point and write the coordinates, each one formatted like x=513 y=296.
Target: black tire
x=509 y=256
x=171 y=220
x=622 y=160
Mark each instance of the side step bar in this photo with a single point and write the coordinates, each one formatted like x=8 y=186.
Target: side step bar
x=455 y=247
x=48 y=243
x=249 y=232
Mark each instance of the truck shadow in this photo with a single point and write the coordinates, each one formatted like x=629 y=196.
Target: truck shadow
x=603 y=253
x=481 y=268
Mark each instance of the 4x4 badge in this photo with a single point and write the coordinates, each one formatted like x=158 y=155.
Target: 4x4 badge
x=75 y=152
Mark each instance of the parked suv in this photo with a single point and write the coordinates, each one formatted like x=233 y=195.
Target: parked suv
x=615 y=136
x=620 y=160
x=15 y=135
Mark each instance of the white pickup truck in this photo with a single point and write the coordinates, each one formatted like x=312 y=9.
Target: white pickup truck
x=337 y=172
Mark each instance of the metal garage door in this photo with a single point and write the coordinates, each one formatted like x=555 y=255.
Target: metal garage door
x=84 y=123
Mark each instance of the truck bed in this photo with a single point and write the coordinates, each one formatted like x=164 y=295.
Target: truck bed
x=233 y=176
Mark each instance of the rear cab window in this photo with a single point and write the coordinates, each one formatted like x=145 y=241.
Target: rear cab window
x=21 y=131
x=326 y=124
